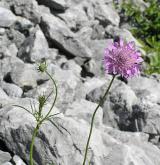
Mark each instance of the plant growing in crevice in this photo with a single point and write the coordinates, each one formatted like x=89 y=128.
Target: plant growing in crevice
x=38 y=114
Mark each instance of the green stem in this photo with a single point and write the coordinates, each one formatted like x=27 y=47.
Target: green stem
x=101 y=102
x=32 y=143
x=39 y=121
x=56 y=93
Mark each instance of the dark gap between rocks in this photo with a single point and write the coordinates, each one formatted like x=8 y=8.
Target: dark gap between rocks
x=7 y=78
x=85 y=73
x=52 y=9
x=4 y=148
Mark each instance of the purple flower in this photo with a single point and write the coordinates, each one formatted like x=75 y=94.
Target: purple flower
x=122 y=58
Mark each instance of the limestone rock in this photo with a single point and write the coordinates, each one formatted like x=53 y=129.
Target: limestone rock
x=57 y=31
x=24 y=75
x=105 y=13
x=12 y=90
x=107 y=145
x=7 y=18
x=4 y=157
x=82 y=109
x=18 y=161
x=35 y=47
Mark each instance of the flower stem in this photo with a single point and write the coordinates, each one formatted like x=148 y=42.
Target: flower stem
x=56 y=94
x=32 y=143
x=101 y=102
x=40 y=121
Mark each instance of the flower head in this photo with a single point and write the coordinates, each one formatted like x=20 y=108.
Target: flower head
x=122 y=58
x=42 y=67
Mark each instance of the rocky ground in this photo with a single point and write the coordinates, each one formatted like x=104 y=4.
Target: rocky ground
x=72 y=35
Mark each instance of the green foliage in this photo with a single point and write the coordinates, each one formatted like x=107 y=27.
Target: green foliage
x=145 y=27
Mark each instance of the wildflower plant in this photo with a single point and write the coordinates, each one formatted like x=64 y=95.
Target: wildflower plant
x=120 y=58
x=38 y=114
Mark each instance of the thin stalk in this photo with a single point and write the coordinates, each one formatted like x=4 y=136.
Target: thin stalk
x=32 y=143
x=39 y=121
x=56 y=93
x=101 y=102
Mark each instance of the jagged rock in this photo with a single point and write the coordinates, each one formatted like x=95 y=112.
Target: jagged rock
x=7 y=18
x=55 y=4
x=24 y=75
x=4 y=44
x=92 y=84
x=75 y=17
x=3 y=95
x=16 y=37
x=26 y=8
x=85 y=34
x=12 y=90
x=4 y=157
x=108 y=146
x=35 y=47
x=6 y=66
x=118 y=107
x=146 y=89
x=97 y=47
x=105 y=13
x=17 y=160
x=82 y=109
x=57 y=31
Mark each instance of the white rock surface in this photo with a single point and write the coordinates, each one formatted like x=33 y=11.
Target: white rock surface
x=7 y=18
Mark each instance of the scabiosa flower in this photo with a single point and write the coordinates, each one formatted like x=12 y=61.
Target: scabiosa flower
x=122 y=58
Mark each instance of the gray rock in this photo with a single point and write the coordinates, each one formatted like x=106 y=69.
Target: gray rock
x=67 y=82
x=3 y=95
x=12 y=49
x=82 y=109
x=7 y=64
x=97 y=47
x=16 y=37
x=75 y=17
x=108 y=146
x=85 y=34
x=7 y=163
x=23 y=24
x=2 y=31
x=57 y=31
x=105 y=13
x=98 y=32
x=125 y=34
x=54 y=4
x=89 y=85
x=146 y=88
x=24 y=75
x=17 y=160
x=12 y=90
x=4 y=44
x=118 y=108
x=26 y=8
x=35 y=47
x=7 y=18
x=4 y=157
